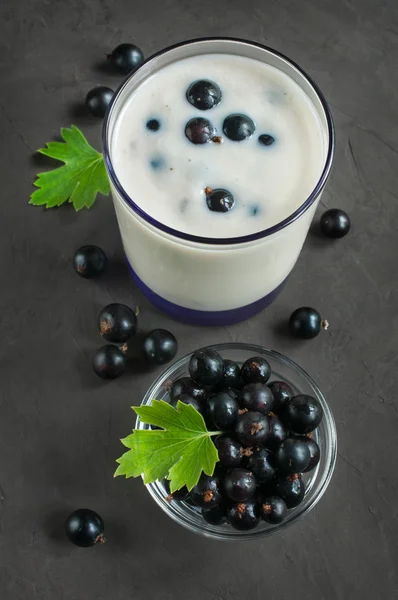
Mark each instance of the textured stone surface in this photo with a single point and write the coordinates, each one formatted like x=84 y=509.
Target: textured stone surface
x=60 y=426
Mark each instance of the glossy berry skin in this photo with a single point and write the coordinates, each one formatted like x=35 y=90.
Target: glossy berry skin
x=98 y=100
x=190 y=400
x=216 y=515
x=117 y=323
x=306 y=323
x=199 y=131
x=204 y=94
x=258 y=397
x=291 y=489
x=273 y=510
x=109 y=362
x=238 y=127
x=262 y=464
x=239 y=484
x=292 y=456
x=277 y=432
x=89 y=261
x=256 y=370
x=126 y=57
x=243 y=516
x=266 y=140
x=223 y=410
x=315 y=453
x=85 y=528
x=220 y=200
x=303 y=414
x=186 y=385
x=231 y=377
x=206 y=493
x=230 y=452
x=335 y=223
x=179 y=495
x=160 y=347
x=206 y=367
x=252 y=428
x=282 y=393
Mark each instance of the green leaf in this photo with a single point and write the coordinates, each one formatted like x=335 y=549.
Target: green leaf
x=79 y=180
x=180 y=451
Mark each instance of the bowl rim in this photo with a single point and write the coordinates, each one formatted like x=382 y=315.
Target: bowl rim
x=320 y=485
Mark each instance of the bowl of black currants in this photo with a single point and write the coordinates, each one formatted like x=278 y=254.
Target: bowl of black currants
x=277 y=447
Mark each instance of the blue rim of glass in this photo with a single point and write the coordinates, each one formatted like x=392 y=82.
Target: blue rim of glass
x=245 y=238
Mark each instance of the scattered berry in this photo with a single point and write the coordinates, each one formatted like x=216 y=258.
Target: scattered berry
x=258 y=397
x=109 y=362
x=282 y=393
x=262 y=464
x=266 y=140
x=206 y=367
x=89 y=261
x=204 y=94
x=277 y=432
x=216 y=515
x=219 y=200
x=199 y=131
x=231 y=375
x=223 y=410
x=256 y=370
x=160 y=347
x=273 y=510
x=117 y=323
x=84 y=527
x=306 y=323
x=303 y=414
x=291 y=489
x=98 y=100
x=292 y=456
x=238 y=127
x=230 y=452
x=126 y=57
x=186 y=385
x=243 y=516
x=206 y=493
x=335 y=223
x=153 y=125
x=252 y=428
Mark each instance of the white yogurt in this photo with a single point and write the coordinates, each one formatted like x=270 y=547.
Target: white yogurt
x=268 y=183
x=166 y=174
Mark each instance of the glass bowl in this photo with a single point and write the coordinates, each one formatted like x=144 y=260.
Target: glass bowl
x=316 y=481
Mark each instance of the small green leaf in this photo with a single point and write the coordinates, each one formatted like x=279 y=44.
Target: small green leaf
x=79 y=180
x=180 y=451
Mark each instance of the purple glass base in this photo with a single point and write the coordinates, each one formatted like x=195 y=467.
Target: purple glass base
x=205 y=317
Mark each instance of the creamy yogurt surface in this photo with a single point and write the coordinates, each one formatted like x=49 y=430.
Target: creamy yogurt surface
x=166 y=175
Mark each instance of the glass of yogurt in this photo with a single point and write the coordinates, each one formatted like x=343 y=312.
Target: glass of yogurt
x=217 y=151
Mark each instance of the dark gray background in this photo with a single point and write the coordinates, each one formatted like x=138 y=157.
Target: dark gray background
x=60 y=425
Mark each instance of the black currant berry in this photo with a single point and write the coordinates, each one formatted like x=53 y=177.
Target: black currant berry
x=239 y=484
x=223 y=410
x=238 y=127
x=292 y=456
x=199 y=131
x=89 y=261
x=117 y=323
x=252 y=428
x=291 y=489
x=273 y=510
x=109 y=362
x=256 y=370
x=306 y=323
x=179 y=495
x=126 y=58
x=216 y=515
x=84 y=527
x=303 y=414
x=262 y=464
x=98 y=100
x=206 y=367
x=258 y=397
x=243 y=516
x=335 y=223
x=160 y=347
x=206 y=493
x=282 y=393
x=230 y=452
x=204 y=94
